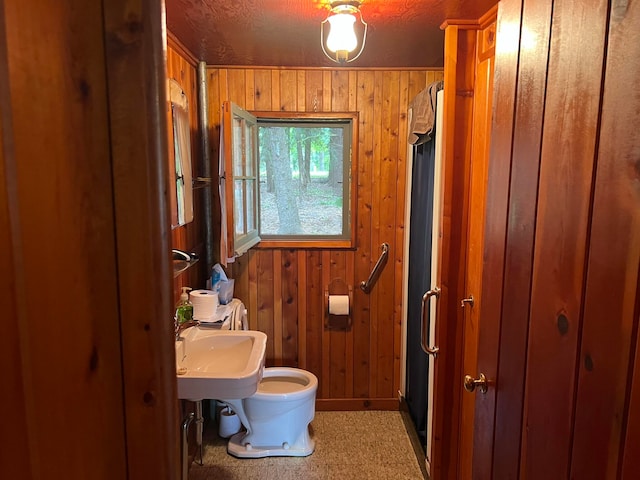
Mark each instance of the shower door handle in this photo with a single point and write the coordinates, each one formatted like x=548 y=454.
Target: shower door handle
x=425 y=327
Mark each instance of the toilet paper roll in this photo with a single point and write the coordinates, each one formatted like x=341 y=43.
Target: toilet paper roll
x=339 y=304
x=205 y=303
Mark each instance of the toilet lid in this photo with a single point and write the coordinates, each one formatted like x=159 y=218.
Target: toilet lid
x=281 y=385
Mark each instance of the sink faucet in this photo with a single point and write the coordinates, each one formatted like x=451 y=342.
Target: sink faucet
x=179 y=327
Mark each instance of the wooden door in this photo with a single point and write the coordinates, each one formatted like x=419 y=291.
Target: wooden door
x=472 y=302
x=89 y=388
x=562 y=246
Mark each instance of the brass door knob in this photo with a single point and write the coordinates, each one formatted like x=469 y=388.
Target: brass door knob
x=471 y=383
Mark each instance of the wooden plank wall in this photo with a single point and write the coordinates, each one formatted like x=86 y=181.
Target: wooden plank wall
x=284 y=288
x=182 y=66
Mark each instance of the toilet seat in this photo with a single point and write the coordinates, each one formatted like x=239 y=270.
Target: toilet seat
x=285 y=383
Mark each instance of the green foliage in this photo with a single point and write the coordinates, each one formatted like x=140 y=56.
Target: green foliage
x=321 y=138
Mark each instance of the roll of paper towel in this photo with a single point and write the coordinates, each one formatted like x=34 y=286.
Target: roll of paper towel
x=339 y=304
x=205 y=303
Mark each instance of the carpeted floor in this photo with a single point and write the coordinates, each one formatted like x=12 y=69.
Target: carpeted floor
x=349 y=445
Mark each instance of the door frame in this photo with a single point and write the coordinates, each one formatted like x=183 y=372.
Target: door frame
x=459 y=82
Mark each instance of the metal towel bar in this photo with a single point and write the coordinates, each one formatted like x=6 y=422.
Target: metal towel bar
x=366 y=286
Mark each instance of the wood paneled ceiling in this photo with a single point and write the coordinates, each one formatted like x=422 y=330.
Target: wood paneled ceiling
x=402 y=33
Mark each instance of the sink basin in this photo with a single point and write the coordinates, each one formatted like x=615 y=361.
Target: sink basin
x=219 y=364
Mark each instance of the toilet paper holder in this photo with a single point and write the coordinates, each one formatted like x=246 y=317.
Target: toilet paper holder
x=337 y=286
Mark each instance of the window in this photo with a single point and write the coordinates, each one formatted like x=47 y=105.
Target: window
x=180 y=158
x=304 y=178
x=240 y=179
x=305 y=172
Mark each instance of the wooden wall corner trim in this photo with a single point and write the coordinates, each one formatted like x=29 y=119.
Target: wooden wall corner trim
x=469 y=24
x=489 y=17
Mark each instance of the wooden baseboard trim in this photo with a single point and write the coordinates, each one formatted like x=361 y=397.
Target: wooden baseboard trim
x=327 y=404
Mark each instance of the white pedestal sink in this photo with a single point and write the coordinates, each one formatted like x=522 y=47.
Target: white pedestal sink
x=219 y=364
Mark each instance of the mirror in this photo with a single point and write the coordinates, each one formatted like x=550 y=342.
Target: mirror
x=181 y=179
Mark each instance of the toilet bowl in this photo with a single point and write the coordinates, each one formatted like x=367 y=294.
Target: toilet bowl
x=277 y=416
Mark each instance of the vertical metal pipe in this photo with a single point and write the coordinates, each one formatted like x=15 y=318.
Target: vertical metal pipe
x=185 y=445
x=205 y=162
x=199 y=428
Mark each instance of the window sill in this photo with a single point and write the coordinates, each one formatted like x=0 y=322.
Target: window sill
x=307 y=244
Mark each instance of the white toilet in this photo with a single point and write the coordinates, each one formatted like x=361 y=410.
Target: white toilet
x=277 y=416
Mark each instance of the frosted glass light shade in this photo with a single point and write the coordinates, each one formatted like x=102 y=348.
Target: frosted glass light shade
x=342 y=35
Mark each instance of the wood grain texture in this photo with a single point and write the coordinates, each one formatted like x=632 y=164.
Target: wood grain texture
x=611 y=302
x=136 y=74
x=399 y=265
x=456 y=149
x=628 y=464
x=289 y=308
x=266 y=301
x=622 y=144
x=315 y=320
x=301 y=265
x=189 y=237
x=505 y=79
x=376 y=190
x=363 y=361
x=442 y=431
x=325 y=375
x=337 y=337
x=566 y=169
x=15 y=434
x=89 y=86
x=483 y=62
x=520 y=237
x=363 y=256
x=181 y=67
x=278 y=326
x=570 y=291
x=57 y=196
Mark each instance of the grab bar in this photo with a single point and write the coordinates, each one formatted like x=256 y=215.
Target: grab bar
x=375 y=273
x=425 y=328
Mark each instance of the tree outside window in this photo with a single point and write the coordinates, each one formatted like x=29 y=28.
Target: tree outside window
x=289 y=179
x=305 y=178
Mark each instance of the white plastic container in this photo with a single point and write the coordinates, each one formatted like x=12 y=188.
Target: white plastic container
x=229 y=423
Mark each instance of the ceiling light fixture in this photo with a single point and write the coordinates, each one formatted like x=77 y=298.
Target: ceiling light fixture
x=343 y=38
